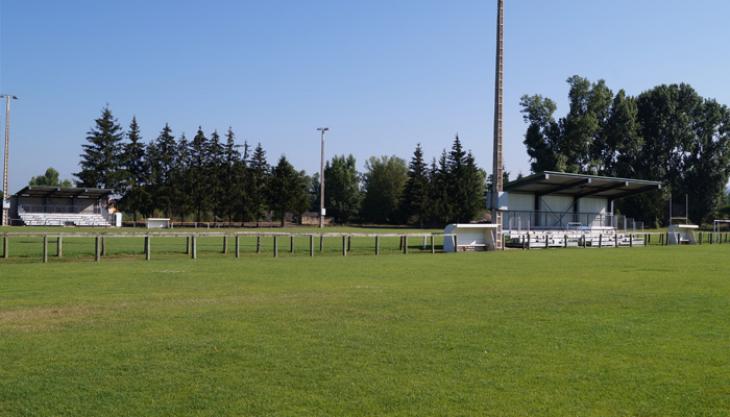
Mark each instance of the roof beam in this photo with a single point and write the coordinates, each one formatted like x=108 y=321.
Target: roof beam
x=563 y=187
x=638 y=191
x=599 y=190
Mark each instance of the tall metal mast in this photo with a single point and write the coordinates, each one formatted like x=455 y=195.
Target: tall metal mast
x=6 y=190
x=498 y=157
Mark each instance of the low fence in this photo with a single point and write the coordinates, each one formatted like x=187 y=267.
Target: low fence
x=45 y=245
x=42 y=246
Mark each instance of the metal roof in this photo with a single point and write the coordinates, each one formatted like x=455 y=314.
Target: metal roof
x=58 y=192
x=580 y=185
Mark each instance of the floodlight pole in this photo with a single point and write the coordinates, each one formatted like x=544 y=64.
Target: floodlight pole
x=497 y=155
x=322 y=131
x=6 y=198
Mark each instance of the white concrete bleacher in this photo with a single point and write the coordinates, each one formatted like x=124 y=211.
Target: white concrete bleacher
x=64 y=219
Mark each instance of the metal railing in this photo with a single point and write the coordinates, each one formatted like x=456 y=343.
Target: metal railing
x=550 y=220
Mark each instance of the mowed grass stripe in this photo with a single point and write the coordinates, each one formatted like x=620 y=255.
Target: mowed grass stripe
x=553 y=333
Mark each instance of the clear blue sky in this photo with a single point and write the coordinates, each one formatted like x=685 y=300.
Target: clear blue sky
x=384 y=75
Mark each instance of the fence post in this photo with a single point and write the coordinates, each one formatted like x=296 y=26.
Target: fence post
x=547 y=240
x=631 y=240
x=45 y=248
x=456 y=243
x=291 y=243
x=238 y=246
x=344 y=245
x=6 y=246
x=433 y=245
x=59 y=247
x=187 y=245
x=700 y=238
x=258 y=244
x=97 y=248
x=276 y=246
x=405 y=245
x=565 y=241
x=600 y=241
x=225 y=244
x=148 y=248
x=311 y=246
x=321 y=243
x=377 y=245
x=194 y=246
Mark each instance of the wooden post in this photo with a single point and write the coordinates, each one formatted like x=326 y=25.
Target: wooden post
x=6 y=246
x=546 y=241
x=97 y=249
x=148 y=248
x=377 y=245
x=45 y=248
x=59 y=247
x=433 y=245
x=405 y=245
x=700 y=238
x=321 y=243
x=276 y=246
x=238 y=246
x=225 y=244
x=631 y=240
x=291 y=243
x=600 y=241
x=311 y=246
x=187 y=245
x=349 y=244
x=565 y=241
x=456 y=243
x=194 y=246
x=344 y=245
x=258 y=244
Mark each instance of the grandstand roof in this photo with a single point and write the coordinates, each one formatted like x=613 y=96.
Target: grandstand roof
x=58 y=192
x=580 y=185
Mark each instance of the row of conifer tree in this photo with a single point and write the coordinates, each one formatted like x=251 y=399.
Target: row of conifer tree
x=214 y=178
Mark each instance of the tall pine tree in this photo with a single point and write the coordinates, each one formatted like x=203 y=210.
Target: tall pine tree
x=101 y=157
x=136 y=198
x=414 y=204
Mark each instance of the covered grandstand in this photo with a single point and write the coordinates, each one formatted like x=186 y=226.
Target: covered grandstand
x=55 y=206
x=557 y=209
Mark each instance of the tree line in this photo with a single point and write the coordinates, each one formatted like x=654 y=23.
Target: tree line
x=669 y=134
x=214 y=178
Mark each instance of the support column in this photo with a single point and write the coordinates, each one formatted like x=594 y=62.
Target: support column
x=311 y=246
x=6 y=246
x=194 y=247
x=148 y=248
x=238 y=246
x=276 y=246
x=97 y=249
x=59 y=247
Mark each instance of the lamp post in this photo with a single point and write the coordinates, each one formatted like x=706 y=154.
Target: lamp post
x=6 y=199
x=322 y=213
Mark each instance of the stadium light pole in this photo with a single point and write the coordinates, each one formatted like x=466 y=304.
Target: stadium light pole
x=322 y=131
x=497 y=156
x=6 y=199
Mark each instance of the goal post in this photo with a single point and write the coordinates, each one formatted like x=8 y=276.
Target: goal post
x=717 y=225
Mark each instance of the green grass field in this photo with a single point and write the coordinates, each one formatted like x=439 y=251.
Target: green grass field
x=624 y=332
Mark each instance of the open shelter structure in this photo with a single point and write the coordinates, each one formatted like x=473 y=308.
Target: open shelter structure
x=557 y=209
x=56 y=206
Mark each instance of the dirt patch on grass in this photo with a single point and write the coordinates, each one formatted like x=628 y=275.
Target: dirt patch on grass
x=45 y=318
